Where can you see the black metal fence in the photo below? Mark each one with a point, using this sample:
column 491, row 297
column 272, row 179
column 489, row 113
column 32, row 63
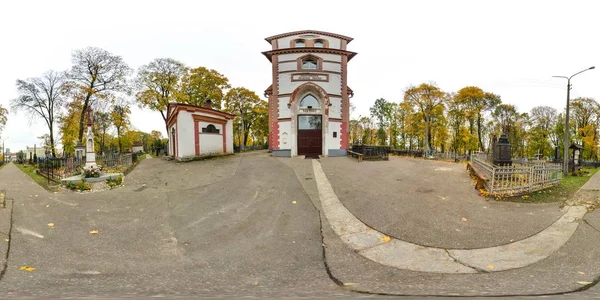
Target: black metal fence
column 404, row 152
column 372, row 152
column 55, row 169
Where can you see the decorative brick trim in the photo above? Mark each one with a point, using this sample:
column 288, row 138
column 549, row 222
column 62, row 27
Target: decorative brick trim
column 339, row 36
column 310, row 71
column 345, row 105
column 328, row 95
column 311, row 79
column 271, row 53
column 318, row 59
column 200, row 118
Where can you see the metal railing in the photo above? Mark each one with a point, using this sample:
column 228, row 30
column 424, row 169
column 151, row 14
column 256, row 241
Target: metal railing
column 372, row 152
column 55, row 169
column 518, row 178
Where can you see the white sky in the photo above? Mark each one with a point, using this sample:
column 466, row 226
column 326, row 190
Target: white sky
column 511, row 48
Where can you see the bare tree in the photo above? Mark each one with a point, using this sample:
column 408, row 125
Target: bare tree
column 41, row 98
column 96, row 75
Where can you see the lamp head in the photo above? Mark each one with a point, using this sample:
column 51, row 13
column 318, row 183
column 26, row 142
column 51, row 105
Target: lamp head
column 592, row 67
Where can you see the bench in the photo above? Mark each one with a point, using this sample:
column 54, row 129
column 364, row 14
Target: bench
column 480, row 176
column 358, row 155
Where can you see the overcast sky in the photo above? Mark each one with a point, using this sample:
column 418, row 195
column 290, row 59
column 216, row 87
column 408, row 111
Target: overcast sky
column 510, row 48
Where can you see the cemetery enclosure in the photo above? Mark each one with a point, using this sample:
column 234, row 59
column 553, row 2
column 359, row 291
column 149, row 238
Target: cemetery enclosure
column 517, row 178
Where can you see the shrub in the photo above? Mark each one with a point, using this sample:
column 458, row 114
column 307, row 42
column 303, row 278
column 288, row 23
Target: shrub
column 81, row 185
column 113, row 182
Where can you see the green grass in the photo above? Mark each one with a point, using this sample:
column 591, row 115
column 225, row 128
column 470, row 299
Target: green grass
column 565, row 190
column 41, row 180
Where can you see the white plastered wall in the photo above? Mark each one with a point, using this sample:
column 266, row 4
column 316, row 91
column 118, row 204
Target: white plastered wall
column 332, row 67
column 287, row 86
column 334, row 142
column 286, row 136
column 185, row 134
column 284, row 110
column 210, row 143
column 335, row 110
column 288, row 66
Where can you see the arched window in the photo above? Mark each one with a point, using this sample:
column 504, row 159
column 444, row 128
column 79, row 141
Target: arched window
column 210, row 129
column 300, row 43
column 309, row 101
column 309, row 63
column 319, row 44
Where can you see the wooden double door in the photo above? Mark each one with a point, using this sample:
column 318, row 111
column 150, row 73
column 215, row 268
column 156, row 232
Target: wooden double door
column 310, row 135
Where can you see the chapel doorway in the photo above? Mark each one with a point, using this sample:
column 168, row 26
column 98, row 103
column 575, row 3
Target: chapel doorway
column 310, row 135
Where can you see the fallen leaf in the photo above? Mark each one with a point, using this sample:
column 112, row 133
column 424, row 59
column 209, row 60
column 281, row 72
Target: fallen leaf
column 584, row 282
column 349, row 283
column 581, row 273
column 256, row 283
column 50, row 224
column 94, row 232
column 36, row 195
column 6, row 240
column 386, row 239
column 294, row 202
column 26, row 268
column 463, row 219
column 491, row 267
column 47, row 205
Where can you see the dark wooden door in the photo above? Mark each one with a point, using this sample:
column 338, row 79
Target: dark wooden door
column 310, row 135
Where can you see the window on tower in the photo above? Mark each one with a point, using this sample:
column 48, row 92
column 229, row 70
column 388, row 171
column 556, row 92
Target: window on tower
column 319, row 44
column 309, row 101
column 309, row 63
column 300, row 43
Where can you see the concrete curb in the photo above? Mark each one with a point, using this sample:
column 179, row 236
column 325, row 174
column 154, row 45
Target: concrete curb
column 5, row 228
column 392, row 252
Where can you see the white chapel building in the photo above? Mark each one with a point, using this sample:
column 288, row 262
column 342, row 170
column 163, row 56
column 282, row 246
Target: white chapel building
column 309, row 100
column 196, row 131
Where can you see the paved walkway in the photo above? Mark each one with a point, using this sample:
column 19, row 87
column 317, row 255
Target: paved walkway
column 394, row 252
column 255, row 225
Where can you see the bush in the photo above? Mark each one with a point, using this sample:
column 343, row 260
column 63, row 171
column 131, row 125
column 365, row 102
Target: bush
column 580, row 172
column 113, row 182
column 82, row 186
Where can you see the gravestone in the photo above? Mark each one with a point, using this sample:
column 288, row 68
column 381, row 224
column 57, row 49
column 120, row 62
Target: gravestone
column 502, row 151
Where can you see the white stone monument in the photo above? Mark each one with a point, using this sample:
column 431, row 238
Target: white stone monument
column 90, row 155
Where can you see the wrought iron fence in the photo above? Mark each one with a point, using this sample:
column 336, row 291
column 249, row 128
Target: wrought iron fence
column 55, row 169
column 404, row 152
column 518, row 178
column 372, row 152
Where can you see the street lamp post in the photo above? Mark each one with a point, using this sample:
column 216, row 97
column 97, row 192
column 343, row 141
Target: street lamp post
column 566, row 142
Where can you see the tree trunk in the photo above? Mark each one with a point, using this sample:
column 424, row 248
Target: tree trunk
column 243, row 145
column 479, row 132
column 426, row 136
column 52, row 141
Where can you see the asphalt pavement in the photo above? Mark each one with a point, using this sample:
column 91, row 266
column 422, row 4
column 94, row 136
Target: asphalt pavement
column 253, row 225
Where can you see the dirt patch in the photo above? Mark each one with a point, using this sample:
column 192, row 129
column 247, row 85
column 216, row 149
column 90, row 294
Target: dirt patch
column 589, row 199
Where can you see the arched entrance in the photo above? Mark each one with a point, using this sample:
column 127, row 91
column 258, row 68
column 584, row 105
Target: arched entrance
column 309, row 120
